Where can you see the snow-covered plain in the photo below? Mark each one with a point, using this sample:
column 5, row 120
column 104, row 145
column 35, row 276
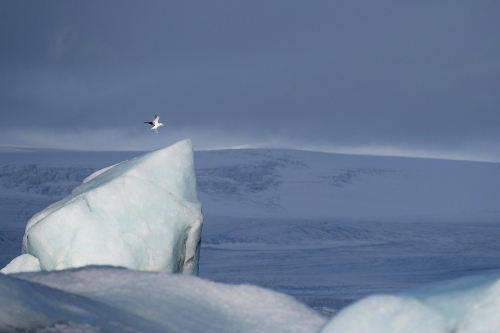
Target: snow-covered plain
column 327, row 229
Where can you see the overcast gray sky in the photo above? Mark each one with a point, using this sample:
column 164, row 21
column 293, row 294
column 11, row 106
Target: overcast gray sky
column 418, row 78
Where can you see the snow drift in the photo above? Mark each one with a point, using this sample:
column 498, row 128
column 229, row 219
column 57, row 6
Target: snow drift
column 141, row 214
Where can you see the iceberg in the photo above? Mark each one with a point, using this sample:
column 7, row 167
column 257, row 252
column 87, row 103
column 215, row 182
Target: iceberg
column 110, row 299
column 141, row 214
column 466, row 305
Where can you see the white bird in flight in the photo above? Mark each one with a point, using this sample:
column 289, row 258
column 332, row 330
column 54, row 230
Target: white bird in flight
column 154, row 123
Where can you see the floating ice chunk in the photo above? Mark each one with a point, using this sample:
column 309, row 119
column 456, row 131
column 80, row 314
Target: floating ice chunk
column 147, row 302
column 24, row 263
column 387, row 314
column 141, row 214
column 466, row 305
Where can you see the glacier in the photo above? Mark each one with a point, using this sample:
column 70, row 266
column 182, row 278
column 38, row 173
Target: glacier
column 140, row 214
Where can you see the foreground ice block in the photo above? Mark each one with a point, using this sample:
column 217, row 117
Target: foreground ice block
column 141, row 214
column 467, row 305
column 110, row 299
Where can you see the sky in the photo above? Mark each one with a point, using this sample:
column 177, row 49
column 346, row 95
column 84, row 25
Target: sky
column 408, row 78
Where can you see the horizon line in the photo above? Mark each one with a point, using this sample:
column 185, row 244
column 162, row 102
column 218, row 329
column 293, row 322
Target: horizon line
column 339, row 151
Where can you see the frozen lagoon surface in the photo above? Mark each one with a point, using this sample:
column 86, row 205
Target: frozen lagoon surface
column 327, row 229
column 330, row 229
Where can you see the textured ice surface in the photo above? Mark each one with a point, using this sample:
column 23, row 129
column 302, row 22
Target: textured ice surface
column 105, row 299
column 466, row 305
column 141, row 214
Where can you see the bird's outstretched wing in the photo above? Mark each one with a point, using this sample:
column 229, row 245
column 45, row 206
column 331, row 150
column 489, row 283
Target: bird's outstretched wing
column 157, row 118
column 154, row 122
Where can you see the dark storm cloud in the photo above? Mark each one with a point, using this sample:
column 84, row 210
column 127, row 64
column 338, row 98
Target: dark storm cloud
column 421, row 74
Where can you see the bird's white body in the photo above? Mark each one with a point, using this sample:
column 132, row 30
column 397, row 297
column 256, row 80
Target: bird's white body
column 155, row 123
